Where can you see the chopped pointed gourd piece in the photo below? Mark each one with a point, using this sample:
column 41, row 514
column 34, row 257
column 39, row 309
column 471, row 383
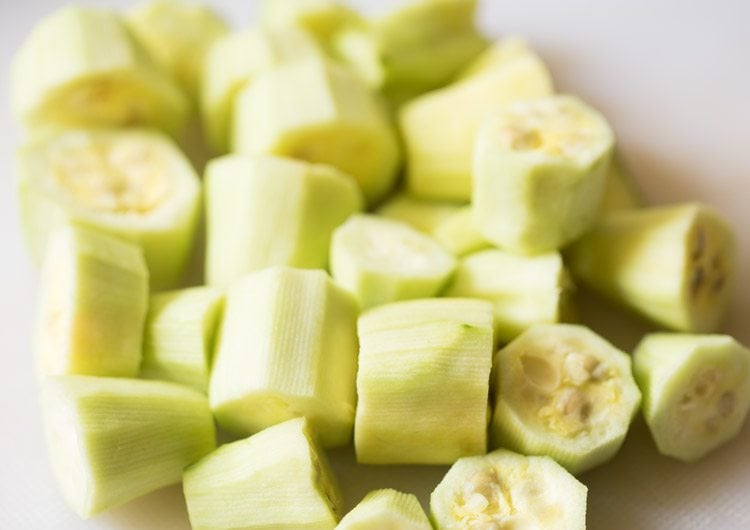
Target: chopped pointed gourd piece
column 263, row 211
column 423, row 215
column 382, row 261
column 93, row 304
column 563, row 391
column 423, row 381
column 539, row 173
column 80, row 66
column 505, row 490
column 386, row 509
column 674, row 265
column 134, row 184
column 458, row 233
column 277, row 478
column 179, row 335
column 696, row 391
column 287, row 348
column 523, row 290
column 337, row 122
column 323, row 19
column 177, row 35
column 439, row 140
column 620, row 191
column 114, row 439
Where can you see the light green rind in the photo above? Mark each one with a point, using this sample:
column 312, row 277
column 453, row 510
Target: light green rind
column 287, row 348
column 263, row 211
column 696, row 391
column 92, row 306
column 112, row 440
column 179, row 335
column 275, row 479
column 386, row 509
column 458, row 233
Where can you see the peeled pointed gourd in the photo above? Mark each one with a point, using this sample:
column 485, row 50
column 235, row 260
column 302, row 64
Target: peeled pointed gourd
column 386, row 509
column 323, row 19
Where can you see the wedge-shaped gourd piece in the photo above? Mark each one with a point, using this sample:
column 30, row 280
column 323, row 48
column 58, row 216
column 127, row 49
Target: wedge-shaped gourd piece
column 335, row 120
column 81, row 67
column 540, row 169
column 523, row 290
column 505, row 490
column 386, row 509
column 177, row 35
column 233, row 62
column 382, row 261
column 672, row 264
column 134, row 184
column 287, row 348
column 93, row 304
column 423, row 381
column 620, row 190
column 418, row 47
column 421, row 214
column 440, row 139
column 264, row 211
column 563, row 391
column 277, row 478
column 113, row 439
column 179, row 335
column 323, row 19
column 696, row 391
column 458, row 233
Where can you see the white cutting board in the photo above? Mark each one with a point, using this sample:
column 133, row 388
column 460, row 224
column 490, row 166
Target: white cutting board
column 674, row 79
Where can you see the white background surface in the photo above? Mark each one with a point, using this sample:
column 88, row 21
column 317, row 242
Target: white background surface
column 674, row 79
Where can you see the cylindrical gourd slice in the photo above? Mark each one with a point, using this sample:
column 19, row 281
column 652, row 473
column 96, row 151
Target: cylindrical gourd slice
column 674, row 265
column 539, row 173
column 323, row 19
column 440, row 127
column 421, row 214
column 111, row 440
column 93, row 301
column 179, row 335
column 386, row 509
column 287, row 348
column 620, row 191
column 458, row 233
column 696, row 391
column 134, row 184
column 504, row 490
column 177, row 35
column 335, row 120
column 562, row 391
column 278, row 478
column 263, row 211
column 524, row 290
column 80, row 66
column 382, row 261
column 423, row 381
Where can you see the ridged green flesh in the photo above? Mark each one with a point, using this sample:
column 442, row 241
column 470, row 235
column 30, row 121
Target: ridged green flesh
column 386, row 509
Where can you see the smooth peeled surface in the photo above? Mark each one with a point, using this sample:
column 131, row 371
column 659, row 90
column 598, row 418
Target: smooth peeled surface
column 386, row 509
column 523, row 290
column 233, row 62
column 674, row 265
column 323, row 19
column 458, row 233
column 440, row 139
column 336, row 120
column 539, row 175
column 93, row 301
column 111, row 440
column 507, row 491
column 177, row 35
column 134, row 184
column 423, row 215
column 179, row 335
column 562, row 391
column 382, row 261
column 287, row 348
column 275, row 479
column 620, row 191
column 263, row 211
column 423, row 381
column 696, row 391
column 80, row 67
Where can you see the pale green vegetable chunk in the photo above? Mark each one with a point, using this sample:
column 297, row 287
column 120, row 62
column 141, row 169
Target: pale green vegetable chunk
column 458, row 233
column 323, row 19
column 92, row 306
column 179, row 335
column 620, row 191
column 423, row 381
column 421, row 214
column 386, row 509
column 696, row 391
column 275, row 479
column 287, row 348
column 111, row 440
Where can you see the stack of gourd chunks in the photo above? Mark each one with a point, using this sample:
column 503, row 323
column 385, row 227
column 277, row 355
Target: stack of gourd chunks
column 442, row 310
